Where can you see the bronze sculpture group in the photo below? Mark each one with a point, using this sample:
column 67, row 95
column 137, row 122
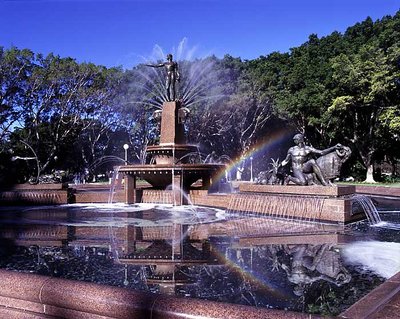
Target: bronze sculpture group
column 305, row 169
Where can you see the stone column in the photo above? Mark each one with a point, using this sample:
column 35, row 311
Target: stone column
column 178, row 199
column 172, row 131
column 130, row 189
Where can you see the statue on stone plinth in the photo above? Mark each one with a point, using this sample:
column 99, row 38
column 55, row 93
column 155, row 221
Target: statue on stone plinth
column 305, row 169
column 172, row 76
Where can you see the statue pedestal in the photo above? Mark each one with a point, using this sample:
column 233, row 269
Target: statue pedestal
column 315, row 190
column 171, row 166
column 172, row 130
column 321, row 203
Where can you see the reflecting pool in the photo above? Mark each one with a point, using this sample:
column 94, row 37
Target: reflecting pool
column 206, row 253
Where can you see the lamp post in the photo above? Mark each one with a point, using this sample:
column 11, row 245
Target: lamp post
column 126, row 146
column 251, row 168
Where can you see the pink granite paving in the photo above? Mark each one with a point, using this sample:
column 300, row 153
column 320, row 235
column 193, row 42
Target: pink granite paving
column 32, row 296
column 382, row 302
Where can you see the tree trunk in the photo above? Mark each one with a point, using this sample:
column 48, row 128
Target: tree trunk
column 370, row 178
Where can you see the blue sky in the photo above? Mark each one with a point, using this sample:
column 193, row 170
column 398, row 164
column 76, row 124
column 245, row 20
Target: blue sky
column 122, row 32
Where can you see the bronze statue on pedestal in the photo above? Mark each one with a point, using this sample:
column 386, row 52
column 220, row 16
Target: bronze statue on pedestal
column 172, row 76
column 305, row 169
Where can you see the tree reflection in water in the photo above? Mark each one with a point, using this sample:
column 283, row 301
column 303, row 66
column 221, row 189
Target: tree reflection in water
column 226, row 260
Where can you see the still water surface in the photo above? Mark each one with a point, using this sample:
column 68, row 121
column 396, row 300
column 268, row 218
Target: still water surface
column 205, row 253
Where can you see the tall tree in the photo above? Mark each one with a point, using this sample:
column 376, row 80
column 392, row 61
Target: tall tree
column 211, row 123
column 15, row 69
column 367, row 96
column 61, row 100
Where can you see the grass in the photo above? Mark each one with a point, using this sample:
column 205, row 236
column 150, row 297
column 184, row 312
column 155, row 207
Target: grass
column 397, row 184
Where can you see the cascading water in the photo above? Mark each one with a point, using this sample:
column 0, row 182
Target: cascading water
column 114, row 181
column 157, row 196
column 306, row 208
column 112, row 236
column 369, row 208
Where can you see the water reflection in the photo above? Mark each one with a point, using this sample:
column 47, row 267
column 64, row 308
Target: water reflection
column 201, row 253
column 309, row 263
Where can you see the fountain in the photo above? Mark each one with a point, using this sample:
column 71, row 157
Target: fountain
column 171, row 165
column 267, row 263
column 169, row 161
column 307, row 193
column 268, row 249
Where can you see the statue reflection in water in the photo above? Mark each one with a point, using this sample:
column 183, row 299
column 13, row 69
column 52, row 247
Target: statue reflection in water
column 308, row 264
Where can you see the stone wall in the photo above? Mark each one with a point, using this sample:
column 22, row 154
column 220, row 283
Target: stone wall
column 310, row 203
column 33, row 296
column 34, row 197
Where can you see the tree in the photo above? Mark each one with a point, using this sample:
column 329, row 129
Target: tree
column 367, row 99
column 302, row 92
column 104, row 119
column 250, row 108
column 15, row 69
column 211, row 123
column 63, row 98
column 137, row 99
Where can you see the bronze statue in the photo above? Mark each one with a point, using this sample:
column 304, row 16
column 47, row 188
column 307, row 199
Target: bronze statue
column 271, row 177
column 302, row 163
column 172, row 76
column 331, row 163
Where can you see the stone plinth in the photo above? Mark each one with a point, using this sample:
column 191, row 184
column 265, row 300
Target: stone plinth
column 332, row 191
column 378, row 190
column 40, row 194
column 382, row 302
column 312, row 203
column 34, row 197
column 202, row 198
column 37, row 187
column 98, row 196
column 172, row 131
column 160, row 176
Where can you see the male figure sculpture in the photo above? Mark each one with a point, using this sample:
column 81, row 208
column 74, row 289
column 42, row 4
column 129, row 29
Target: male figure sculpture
column 302, row 164
column 172, row 76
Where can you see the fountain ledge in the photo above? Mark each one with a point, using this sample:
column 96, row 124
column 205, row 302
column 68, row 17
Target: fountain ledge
column 331, row 191
column 34, row 296
column 319, row 203
column 40, row 194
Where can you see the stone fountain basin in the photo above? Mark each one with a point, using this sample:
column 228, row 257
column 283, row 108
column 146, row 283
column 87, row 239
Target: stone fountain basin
column 171, row 153
column 161, row 175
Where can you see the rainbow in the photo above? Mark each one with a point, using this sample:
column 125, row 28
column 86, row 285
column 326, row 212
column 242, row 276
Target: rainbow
column 258, row 281
column 263, row 146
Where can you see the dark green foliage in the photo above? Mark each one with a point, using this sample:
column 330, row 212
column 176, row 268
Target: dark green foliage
column 339, row 88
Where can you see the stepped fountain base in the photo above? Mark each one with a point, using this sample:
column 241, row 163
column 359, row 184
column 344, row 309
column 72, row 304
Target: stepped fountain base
column 160, row 176
column 312, row 203
column 174, row 164
column 315, row 190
